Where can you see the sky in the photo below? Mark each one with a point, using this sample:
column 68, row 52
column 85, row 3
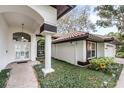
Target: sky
column 102, row 31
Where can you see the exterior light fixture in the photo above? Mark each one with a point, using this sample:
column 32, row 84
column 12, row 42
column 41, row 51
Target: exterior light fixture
column 22, row 37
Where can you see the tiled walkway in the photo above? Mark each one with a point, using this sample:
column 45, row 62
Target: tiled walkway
column 120, row 83
column 22, row 76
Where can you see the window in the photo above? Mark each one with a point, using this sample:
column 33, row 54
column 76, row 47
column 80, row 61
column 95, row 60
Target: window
column 91, row 49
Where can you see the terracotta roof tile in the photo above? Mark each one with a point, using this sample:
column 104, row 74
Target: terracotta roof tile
column 72, row 35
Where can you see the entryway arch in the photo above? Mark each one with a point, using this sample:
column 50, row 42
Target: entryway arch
column 22, row 46
column 19, row 35
column 37, row 19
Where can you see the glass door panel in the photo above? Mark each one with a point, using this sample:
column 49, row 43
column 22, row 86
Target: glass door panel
column 22, row 50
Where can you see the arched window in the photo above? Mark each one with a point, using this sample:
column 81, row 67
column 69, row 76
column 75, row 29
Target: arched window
column 21, row 36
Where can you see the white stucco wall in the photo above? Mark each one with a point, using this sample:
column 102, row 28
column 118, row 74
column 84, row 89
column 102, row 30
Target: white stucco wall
column 23, row 9
column 64, row 51
column 76, row 51
column 109, row 50
column 100, row 49
column 47, row 12
column 3, row 43
column 106, row 50
column 81, row 50
column 7, row 43
column 33, row 47
column 11, row 47
column 70, row 51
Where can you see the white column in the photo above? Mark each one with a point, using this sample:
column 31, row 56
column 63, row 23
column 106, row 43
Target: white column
column 47, row 68
column 33, row 47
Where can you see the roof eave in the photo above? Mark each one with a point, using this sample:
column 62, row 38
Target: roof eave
column 72, row 39
column 66, row 9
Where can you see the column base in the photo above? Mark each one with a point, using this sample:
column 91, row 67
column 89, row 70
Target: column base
column 47, row 71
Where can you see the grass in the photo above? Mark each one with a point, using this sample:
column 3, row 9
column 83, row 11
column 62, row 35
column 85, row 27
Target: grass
column 70, row 76
column 4, row 75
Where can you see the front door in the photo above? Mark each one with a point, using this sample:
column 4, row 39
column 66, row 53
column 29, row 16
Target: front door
column 22, row 51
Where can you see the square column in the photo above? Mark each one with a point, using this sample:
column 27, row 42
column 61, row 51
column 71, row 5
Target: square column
column 48, row 30
column 47, row 68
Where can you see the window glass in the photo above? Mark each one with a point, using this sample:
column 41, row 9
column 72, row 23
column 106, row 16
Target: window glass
column 91, row 49
column 93, row 45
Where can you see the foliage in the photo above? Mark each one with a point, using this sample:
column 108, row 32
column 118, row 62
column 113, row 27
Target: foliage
column 120, row 48
column 4, row 75
column 105, row 64
column 117, row 36
column 76, row 20
column 70, row 76
column 115, row 69
column 111, row 15
column 41, row 42
column 120, row 54
column 101, row 63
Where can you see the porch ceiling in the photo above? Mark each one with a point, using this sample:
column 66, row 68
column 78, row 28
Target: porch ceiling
column 16, row 19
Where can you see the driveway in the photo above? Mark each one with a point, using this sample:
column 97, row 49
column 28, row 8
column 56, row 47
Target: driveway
column 119, row 60
column 22, row 76
column 120, row 83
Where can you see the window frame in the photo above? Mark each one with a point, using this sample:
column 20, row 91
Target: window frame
column 91, row 49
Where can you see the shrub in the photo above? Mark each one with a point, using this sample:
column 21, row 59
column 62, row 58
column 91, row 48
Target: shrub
column 115, row 68
column 120, row 54
column 4, row 75
column 104, row 64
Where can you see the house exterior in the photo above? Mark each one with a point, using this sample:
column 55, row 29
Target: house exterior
column 78, row 47
column 20, row 28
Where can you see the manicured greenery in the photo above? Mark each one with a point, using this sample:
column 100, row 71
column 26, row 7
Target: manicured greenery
column 4, row 75
column 70, row 76
column 106, row 65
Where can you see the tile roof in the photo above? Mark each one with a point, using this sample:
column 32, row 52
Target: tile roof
column 78, row 35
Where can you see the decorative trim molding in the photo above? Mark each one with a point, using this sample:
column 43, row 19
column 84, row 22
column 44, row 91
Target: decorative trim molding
column 48, row 27
column 38, row 35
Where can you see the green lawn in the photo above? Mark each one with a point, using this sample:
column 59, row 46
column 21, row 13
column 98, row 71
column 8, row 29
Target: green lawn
column 4, row 75
column 70, row 76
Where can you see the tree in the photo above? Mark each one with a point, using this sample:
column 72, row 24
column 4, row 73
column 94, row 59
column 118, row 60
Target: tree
column 120, row 38
column 76, row 20
column 111, row 15
column 117, row 36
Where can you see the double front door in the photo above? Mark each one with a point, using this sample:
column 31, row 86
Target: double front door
column 22, row 51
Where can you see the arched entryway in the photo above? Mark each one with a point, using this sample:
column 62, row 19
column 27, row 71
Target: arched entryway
column 37, row 19
column 22, row 45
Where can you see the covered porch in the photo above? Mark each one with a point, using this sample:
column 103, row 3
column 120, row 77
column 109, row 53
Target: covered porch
column 18, row 32
column 20, row 26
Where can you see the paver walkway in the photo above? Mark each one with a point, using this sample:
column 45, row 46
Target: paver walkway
column 120, row 83
column 22, row 76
